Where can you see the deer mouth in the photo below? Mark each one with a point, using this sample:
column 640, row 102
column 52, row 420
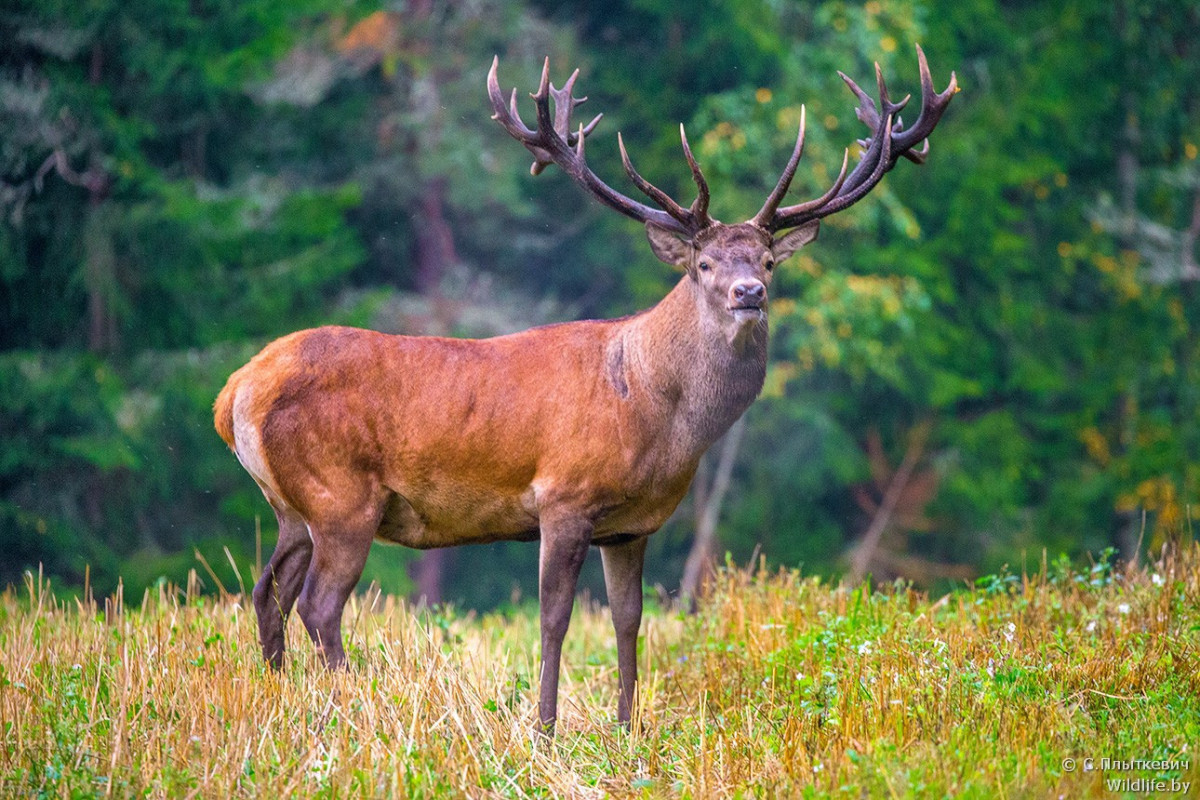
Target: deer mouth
column 747, row 309
column 747, row 316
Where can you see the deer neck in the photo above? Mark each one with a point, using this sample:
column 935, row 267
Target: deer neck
column 692, row 366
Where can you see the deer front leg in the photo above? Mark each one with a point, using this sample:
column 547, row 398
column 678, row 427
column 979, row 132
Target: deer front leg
column 565, row 540
column 623, row 580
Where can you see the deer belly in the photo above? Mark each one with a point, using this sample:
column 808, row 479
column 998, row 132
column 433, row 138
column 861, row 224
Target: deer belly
column 455, row 515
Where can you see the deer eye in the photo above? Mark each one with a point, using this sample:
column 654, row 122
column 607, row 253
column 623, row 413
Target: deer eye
column 770, row 265
column 705, row 266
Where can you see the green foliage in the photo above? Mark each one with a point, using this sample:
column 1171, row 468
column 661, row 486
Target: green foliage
column 266, row 252
column 93, row 464
column 979, row 290
column 180, row 183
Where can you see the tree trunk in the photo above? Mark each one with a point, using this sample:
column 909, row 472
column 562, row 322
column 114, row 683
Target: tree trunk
column 99, row 264
column 99, row 255
column 435, row 240
column 1131, row 134
column 864, row 554
column 1128, row 530
column 429, row 576
column 709, row 498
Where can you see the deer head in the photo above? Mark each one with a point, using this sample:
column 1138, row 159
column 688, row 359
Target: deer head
column 731, row 264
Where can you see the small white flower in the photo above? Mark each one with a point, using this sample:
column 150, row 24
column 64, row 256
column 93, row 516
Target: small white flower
column 1123, row 608
column 1009, row 631
column 864, row 649
column 1091, row 626
column 1157, row 579
column 817, row 767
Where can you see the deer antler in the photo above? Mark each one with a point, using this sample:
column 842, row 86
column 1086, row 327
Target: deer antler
column 553, row 142
column 889, row 140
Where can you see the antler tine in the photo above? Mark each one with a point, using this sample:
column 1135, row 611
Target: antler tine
column 933, row 105
column 783, row 218
column 591, row 126
column 564, row 94
column 649, row 189
column 700, row 204
column 856, row 193
column 553, row 142
column 512, row 108
column 884, row 100
column 580, row 138
column 544, row 82
column 553, row 125
column 918, row 156
column 509, row 117
column 564, row 104
column 866, row 111
column 541, row 104
column 764, row 215
column 833, row 200
column 568, row 86
column 557, row 121
column 506, row 115
column 889, row 139
column 869, row 115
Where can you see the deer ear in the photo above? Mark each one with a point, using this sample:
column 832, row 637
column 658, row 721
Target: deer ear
column 669, row 248
column 792, row 241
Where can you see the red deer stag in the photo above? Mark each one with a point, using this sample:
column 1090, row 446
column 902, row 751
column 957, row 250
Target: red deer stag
column 580, row 434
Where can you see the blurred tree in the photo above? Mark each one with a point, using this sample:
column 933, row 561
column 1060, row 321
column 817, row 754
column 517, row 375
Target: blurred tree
column 136, row 224
column 960, row 296
column 181, row 183
column 709, row 488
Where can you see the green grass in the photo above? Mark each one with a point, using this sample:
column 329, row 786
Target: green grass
column 780, row 686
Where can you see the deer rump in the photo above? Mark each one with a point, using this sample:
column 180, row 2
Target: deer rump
column 452, row 441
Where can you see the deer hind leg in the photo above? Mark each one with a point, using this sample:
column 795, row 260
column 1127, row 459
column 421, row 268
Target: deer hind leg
column 623, row 581
column 277, row 588
column 564, row 547
column 339, row 554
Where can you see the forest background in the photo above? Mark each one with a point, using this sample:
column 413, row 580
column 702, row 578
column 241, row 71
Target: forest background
column 992, row 356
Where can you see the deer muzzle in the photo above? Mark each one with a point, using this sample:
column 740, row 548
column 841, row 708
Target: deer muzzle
column 747, row 295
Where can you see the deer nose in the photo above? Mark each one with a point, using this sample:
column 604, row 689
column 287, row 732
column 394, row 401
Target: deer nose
column 748, row 294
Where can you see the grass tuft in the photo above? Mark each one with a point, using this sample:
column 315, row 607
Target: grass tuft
column 781, row 686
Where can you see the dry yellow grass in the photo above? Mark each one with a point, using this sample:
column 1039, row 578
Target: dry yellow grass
column 780, row 686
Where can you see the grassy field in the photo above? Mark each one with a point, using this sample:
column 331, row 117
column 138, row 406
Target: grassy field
column 780, row 686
